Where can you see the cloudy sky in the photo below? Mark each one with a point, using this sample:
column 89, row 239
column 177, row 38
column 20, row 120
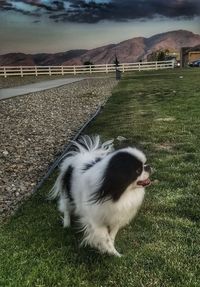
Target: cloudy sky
column 34, row 26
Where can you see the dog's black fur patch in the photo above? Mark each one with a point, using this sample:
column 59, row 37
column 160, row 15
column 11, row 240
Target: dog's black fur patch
column 91, row 164
column 123, row 169
column 67, row 179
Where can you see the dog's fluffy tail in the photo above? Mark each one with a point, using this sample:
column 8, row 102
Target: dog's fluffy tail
column 84, row 145
column 92, row 143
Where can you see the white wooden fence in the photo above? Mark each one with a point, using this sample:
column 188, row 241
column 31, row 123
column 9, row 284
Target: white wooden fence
column 6, row 71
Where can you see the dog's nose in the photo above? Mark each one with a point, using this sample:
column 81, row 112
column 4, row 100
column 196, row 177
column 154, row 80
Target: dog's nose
column 147, row 168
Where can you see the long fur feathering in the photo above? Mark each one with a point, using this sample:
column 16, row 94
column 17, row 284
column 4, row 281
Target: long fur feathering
column 84, row 145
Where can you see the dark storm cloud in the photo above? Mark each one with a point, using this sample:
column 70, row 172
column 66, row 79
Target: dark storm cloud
column 46, row 5
column 29, row 7
column 4, row 4
column 82, row 11
column 7, row 6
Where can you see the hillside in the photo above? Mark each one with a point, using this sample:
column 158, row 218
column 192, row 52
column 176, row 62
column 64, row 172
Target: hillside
column 21, row 59
column 127, row 51
column 138, row 48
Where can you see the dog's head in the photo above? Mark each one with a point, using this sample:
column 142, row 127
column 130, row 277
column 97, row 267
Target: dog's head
column 125, row 168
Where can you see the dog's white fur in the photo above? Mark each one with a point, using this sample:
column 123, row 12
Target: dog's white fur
column 100, row 221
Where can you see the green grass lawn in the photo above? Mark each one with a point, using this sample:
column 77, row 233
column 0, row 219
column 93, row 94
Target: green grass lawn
column 160, row 113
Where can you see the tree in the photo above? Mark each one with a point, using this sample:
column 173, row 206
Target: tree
column 161, row 56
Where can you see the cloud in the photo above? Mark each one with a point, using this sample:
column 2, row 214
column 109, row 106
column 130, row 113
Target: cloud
column 86, row 11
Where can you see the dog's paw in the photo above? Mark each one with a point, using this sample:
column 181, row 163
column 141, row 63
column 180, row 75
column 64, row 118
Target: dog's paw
column 65, row 222
column 117, row 254
column 114, row 252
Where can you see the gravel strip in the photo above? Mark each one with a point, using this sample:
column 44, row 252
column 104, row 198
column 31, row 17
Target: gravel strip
column 34, row 130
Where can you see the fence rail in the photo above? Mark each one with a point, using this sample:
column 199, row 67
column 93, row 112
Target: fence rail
column 6, row 71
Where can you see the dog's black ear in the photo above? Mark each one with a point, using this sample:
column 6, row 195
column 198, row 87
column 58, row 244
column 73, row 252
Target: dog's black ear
column 121, row 171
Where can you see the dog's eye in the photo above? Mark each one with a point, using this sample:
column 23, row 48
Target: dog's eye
column 138, row 171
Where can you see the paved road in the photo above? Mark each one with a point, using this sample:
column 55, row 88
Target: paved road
column 36, row 87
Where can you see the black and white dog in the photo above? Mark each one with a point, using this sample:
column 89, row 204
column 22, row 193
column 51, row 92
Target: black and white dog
column 103, row 187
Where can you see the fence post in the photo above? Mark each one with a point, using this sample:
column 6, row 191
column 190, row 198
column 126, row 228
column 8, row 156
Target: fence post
column 21, row 71
column 106, row 68
column 4, row 70
column 90, row 69
column 123, row 68
column 139, row 66
column 62, row 71
column 36, row 73
column 156, row 65
column 74, row 70
column 49, row 71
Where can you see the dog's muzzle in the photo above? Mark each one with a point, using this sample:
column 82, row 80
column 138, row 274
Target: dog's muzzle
column 147, row 181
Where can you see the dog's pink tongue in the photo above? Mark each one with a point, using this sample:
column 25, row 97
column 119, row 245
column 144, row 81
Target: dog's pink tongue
column 144, row 182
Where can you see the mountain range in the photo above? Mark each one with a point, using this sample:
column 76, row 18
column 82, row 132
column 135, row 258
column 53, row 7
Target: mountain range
column 131, row 50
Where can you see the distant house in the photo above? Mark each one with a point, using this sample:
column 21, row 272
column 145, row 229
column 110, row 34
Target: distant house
column 189, row 54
